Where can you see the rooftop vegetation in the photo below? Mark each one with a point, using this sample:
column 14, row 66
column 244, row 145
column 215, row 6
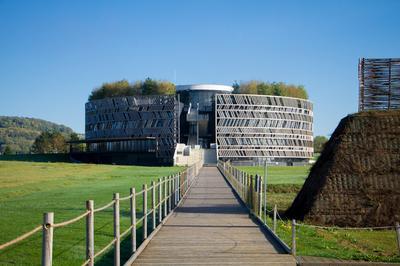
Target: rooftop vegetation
column 125, row 88
column 268, row 88
column 159, row 87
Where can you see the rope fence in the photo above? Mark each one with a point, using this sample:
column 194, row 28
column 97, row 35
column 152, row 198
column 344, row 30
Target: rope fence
column 164, row 195
column 253, row 192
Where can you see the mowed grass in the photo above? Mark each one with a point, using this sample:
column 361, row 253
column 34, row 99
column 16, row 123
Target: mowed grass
column 366, row 245
column 27, row 190
column 280, row 174
column 284, row 182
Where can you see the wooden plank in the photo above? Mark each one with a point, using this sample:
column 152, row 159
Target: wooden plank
column 211, row 227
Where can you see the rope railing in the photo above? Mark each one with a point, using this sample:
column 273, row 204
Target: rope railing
column 347, row 228
column 21, row 237
column 251, row 191
column 164, row 196
column 73, row 220
column 126, row 198
column 108, row 205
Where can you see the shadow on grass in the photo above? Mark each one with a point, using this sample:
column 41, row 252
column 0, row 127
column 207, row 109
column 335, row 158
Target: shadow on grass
column 40, row 158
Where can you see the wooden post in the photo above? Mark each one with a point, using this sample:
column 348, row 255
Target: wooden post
column 159, row 200
column 251, row 193
column 176, row 189
column 169, row 194
column 133, row 219
column 153, row 203
column 294, row 237
column 179, row 187
column 275, row 212
column 257, row 194
column 47, row 244
column 260, row 194
column 144, row 211
column 173, row 191
column 245, row 189
column 90, row 232
column 165, row 196
column 187, row 181
column 398, row 235
column 117, row 251
column 265, row 189
column 243, row 185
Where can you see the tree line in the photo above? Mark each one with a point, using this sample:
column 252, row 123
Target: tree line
column 17, row 134
column 47, row 142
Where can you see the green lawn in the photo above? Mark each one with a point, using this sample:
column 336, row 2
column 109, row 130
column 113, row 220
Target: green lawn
column 27, row 190
column 284, row 182
column 280, row 174
column 368, row 245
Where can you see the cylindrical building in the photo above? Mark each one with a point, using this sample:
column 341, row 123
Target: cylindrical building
column 146, row 129
column 259, row 127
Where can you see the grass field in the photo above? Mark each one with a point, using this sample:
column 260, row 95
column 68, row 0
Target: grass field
column 280, row 174
column 284, row 182
column 27, row 190
column 368, row 245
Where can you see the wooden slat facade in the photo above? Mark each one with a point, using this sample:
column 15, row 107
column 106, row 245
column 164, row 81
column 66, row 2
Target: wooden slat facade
column 379, row 87
column 261, row 126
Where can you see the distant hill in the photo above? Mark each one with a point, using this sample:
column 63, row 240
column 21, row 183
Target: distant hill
column 19, row 133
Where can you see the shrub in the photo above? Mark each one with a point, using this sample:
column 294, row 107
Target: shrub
column 124, row 88
column 267, row 88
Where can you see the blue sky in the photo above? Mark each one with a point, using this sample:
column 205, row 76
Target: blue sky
column 53, row 53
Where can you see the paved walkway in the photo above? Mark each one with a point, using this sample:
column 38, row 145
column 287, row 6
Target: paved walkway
column 212, row 228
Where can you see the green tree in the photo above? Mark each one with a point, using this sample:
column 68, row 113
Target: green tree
column 49, row 142
column 319, row 143
column 74, row 137
column 8, row 151
column 249, row 87
column 76, row 146
column 277, row 88
column 149, row 87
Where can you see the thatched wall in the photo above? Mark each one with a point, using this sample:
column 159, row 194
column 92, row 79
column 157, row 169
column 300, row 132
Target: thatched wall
column 356, row 180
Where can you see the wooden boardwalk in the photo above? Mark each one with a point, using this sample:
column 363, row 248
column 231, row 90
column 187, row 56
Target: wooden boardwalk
column 211, row 227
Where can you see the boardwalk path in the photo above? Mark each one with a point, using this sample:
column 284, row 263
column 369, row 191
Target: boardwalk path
column 212, row 228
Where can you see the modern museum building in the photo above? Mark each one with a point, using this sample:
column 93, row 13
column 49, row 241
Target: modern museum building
column 239, row 127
